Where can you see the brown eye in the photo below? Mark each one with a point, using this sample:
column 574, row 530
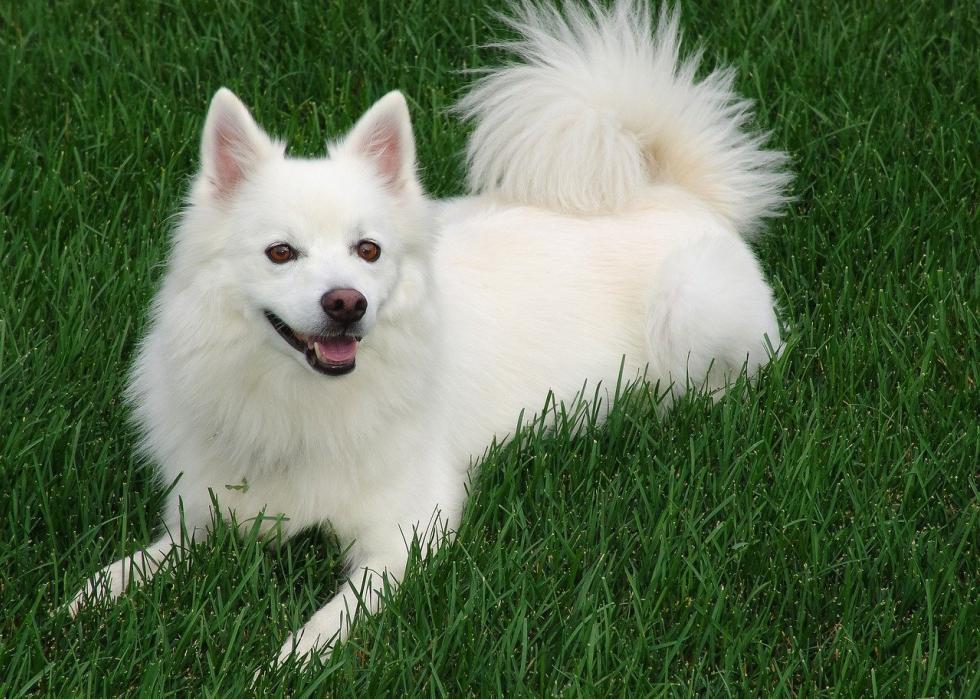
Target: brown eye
column 368, row 251
column 280, row 253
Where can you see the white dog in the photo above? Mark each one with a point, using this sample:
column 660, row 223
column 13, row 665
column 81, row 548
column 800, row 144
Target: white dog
column 331, row 348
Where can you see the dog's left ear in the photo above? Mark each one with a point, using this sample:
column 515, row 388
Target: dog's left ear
column 384, row 137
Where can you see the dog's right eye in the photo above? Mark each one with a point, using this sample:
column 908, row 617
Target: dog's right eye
column 280, row 253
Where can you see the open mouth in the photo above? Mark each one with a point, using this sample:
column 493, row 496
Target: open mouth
column 328, row 354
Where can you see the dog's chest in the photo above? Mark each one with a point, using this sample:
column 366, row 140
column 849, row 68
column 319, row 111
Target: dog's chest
column 299, row 488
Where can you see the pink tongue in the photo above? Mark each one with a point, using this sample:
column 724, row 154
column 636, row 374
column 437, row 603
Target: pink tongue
column 337, row 350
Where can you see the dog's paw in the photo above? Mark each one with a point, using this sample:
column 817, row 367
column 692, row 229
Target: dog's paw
column 106, row 585
column 299, row 649
column 306, row 643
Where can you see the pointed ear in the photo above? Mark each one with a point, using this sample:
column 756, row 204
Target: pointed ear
column 232, row 145
column 384, row 137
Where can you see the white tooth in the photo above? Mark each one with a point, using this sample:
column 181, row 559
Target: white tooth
column 316, row 347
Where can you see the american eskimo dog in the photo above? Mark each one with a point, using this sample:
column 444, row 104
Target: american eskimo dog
column 345, row 346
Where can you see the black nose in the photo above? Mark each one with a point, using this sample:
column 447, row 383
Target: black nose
column 344, row 305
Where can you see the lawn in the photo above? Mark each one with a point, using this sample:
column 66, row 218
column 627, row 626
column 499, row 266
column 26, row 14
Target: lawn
column 817, row 534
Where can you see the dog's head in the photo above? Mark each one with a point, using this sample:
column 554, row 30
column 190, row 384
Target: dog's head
column 317, row 252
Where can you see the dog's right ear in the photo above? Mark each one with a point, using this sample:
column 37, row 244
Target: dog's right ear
column 232, row 146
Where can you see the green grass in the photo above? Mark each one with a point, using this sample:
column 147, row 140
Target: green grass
column 818, row 536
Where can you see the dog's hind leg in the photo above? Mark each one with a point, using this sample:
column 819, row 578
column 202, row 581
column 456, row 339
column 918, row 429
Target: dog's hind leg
column 710, row 317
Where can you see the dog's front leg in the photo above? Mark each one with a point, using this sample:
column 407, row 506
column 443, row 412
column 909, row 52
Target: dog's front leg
column 140, row 567
column 111, row 581
column 378, row 560
column 360, row 595
column 422, row 506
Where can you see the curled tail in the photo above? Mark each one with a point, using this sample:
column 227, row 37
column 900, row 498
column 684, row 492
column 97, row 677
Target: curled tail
column 598, row 107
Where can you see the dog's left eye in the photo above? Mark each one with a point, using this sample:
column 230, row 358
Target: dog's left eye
column 368, row 250
column 280, row 253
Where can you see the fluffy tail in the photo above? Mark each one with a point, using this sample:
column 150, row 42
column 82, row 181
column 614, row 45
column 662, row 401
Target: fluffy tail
column 598, row 107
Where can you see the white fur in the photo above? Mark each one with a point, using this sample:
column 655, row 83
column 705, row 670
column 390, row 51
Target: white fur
column 598, row 108
column 477, row 307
